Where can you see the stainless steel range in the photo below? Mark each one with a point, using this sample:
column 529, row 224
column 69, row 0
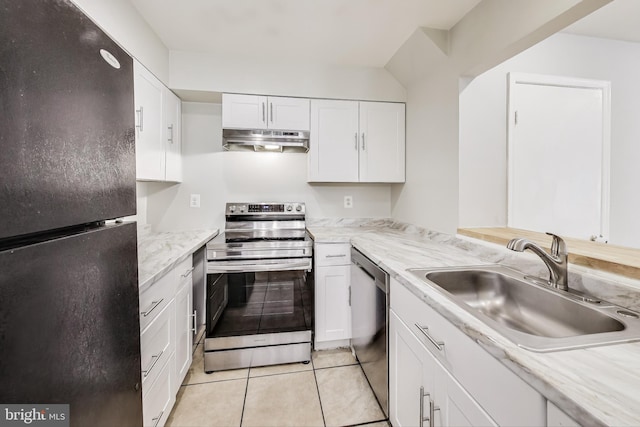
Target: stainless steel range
column 259, row 288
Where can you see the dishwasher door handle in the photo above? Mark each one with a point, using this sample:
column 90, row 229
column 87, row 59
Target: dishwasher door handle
column 365, row 270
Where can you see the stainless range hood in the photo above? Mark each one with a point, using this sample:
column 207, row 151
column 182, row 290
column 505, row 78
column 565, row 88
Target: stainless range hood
column 265, row 140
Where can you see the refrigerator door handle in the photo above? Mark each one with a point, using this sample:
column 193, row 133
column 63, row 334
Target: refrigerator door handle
column 154, row 304
column 195, row 317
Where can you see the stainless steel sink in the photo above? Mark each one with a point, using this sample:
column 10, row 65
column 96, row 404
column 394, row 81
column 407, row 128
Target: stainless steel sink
column 533, row 315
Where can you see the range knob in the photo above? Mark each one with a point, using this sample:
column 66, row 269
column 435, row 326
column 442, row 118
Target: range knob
column 298, row 208
column 243, row 208
column 289, row 208
column 232, row 208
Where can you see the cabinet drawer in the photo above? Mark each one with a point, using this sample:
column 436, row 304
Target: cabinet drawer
column 158, row 402
column 478, row 372
column 156, row 345
column 332, row 254
column 155, row 298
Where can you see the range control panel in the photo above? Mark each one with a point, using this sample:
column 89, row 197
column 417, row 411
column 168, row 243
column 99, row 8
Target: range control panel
column 265, row 208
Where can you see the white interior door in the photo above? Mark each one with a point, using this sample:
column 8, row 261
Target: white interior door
column 559, row 155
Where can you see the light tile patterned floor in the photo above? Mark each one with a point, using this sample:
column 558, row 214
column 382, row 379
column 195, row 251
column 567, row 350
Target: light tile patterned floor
column 330, row 391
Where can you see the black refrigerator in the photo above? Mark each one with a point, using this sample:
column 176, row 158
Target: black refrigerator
column 69, row 319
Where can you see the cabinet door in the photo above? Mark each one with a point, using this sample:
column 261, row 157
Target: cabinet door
column 408, row 377
column 288, row 113
column 456, row 407
column 333, row 151
column 332, row 311
column 382, row 142
column 148, row 94
column 173, row 136
column 184, row 309
column 244, row 111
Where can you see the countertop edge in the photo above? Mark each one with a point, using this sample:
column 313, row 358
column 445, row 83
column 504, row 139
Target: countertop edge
column 173, row 261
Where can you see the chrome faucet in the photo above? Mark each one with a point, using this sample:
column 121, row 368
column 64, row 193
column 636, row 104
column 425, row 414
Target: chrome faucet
column 556, row 262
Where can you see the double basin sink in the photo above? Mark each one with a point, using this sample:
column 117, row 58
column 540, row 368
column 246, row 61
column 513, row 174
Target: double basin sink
column 533, row 315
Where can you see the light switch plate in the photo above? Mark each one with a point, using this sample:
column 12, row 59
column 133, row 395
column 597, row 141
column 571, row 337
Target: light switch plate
column 194, row 201
column 348, row 202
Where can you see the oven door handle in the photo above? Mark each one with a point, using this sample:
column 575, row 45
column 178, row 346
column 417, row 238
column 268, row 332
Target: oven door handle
column 257, row 266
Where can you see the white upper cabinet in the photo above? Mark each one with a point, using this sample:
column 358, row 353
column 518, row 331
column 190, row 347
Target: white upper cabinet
column 288, row 113
column 355, row 141
column 333, row 151
column 173, row 136
column 244, row 111
column 262, row 112
column 158, row 128
column 382, row 142
column 150, row 155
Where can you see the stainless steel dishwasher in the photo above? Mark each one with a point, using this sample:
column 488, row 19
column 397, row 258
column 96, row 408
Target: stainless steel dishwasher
column 369, row 298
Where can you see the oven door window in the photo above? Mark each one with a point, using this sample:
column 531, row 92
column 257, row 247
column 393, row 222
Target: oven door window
column 264, row 303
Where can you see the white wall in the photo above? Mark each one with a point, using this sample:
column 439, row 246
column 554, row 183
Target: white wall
column 124, row 24
column 483, row 128
column 202, row 72
column 220, row 177
column 430, row 196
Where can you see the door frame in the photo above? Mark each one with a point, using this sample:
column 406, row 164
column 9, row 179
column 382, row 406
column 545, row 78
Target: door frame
column 515, row 78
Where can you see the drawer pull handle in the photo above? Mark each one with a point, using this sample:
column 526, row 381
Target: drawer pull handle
column 154, row 359
column 154, row 304
column 438, row 344
column 157, row 419
column 188, row 272
column 336, row 256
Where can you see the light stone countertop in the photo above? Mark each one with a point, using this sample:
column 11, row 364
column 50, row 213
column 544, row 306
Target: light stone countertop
column 595, row 386
column 159, row 252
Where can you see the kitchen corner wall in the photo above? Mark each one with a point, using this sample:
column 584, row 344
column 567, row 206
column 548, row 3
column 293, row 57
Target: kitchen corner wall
column 220, row 176
column 492, row 32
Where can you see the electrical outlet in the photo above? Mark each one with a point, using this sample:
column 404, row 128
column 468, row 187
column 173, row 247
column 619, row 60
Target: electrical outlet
column 194, row 201
column 348, row 202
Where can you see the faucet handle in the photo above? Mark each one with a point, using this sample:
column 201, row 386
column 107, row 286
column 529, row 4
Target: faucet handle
column 558, row 246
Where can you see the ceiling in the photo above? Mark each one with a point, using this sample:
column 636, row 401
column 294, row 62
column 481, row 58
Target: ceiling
column 618, row 20
column 337, row 32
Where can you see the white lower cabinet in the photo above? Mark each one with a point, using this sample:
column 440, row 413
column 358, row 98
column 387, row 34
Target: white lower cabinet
column 184, row 331
column 157, row 345
column 166, row 323
column 158, row 402
column 463, row 383
column 332, row 308
column 557, row 418
column 423, row 393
